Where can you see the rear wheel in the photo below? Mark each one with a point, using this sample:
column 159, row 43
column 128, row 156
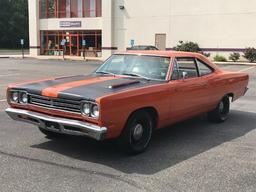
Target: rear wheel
column 50, row 134
column 220, row 113
column 137, row 133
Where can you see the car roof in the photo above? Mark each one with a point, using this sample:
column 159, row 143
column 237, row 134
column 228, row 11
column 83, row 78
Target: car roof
column 161, row 53
column 170, row 54
column 143, row 46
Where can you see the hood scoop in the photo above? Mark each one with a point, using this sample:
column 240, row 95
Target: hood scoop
column 130, row 82
column 68, row 77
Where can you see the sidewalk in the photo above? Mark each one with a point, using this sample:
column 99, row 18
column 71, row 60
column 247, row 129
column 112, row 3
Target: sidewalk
column 4, row 52
column 45, row 57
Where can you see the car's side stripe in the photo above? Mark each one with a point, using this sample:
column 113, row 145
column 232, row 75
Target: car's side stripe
column 54, row 90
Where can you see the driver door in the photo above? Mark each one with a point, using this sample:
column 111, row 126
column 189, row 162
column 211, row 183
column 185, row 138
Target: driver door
column 187, row 89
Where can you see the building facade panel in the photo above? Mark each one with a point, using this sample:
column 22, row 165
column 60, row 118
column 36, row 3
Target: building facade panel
column 215, row 25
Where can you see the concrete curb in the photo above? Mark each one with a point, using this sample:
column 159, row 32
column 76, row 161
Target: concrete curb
column 68, row 58
column 13, row 56
column 235, row 63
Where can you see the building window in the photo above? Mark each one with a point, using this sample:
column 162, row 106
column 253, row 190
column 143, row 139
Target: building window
column 70, row 8
column 98, row 8
column 73, row 8
column 43, row 7
column 61, row 8
column 51, row 43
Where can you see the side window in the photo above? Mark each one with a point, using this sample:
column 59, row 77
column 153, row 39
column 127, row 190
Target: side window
column 175, row 72
column 187, row 65
column 204, row 69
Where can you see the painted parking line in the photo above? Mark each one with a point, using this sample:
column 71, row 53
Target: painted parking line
column 9, row 75
column 247, row 69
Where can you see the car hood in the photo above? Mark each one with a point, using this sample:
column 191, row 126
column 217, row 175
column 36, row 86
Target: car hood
column 85, row 87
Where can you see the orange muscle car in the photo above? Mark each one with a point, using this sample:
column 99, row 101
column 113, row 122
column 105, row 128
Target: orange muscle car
column 128, row 97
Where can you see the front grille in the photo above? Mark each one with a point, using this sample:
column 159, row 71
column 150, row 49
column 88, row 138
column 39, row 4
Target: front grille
column 55, row 103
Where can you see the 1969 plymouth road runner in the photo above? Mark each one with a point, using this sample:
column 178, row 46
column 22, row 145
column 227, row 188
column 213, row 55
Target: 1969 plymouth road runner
column 128, row 97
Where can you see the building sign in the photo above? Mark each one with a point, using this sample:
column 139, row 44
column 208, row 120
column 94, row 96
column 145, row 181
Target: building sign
column 70, row 24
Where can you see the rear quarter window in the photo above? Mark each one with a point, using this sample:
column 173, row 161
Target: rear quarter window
column 204, row 69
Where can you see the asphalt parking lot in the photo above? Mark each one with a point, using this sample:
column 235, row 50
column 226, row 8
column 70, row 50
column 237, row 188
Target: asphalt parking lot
column 194, row 155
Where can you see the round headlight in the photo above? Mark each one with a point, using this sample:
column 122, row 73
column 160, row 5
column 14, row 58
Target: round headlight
column 86, row 108
column 15, row 97
column 24, row 97
column 95, row 111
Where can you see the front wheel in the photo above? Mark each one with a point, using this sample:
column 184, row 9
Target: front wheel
column 220, row 113
column 137, row 133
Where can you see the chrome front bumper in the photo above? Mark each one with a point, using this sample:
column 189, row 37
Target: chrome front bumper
column 59, row 125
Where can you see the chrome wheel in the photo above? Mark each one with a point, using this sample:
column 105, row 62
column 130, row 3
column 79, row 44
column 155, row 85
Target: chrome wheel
column 137, row 132
column 221, row 107
column 220, row 113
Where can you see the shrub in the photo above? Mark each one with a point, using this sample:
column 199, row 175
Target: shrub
column 187, row 46
column 234, row 56
column 206, row 54
column 190, row 47
column 250, row 54
column 220, row 58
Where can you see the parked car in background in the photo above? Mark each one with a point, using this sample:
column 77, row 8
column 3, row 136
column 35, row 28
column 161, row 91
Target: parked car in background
column 143, row 47
column 128, row 97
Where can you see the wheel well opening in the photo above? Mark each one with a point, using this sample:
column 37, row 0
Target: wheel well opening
column 231, row 95
column 153, row 113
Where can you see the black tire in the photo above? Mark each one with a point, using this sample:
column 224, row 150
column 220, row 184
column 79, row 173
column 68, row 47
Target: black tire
column 50, row 134
column 220, row 113
column 137, row 133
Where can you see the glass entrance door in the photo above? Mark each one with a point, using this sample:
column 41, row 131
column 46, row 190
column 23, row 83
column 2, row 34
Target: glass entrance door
column 72, row 44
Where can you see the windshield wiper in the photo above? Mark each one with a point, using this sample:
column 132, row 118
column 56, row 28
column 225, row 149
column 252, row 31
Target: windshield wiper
column 136, row 75
column 105, row 72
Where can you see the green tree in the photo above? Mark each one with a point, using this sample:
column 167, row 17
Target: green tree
column 13, row 23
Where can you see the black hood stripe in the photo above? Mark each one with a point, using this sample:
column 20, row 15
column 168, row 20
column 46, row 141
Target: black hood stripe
column 37, row 88
column 100, row 89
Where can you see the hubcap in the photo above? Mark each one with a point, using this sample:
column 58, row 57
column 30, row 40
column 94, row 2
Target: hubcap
column 137, row 132
column 221, row 107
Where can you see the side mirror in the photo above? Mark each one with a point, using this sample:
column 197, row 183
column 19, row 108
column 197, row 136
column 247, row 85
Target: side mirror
column 184, row 75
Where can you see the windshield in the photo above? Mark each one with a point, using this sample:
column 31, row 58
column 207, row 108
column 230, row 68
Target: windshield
column 149, row 67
